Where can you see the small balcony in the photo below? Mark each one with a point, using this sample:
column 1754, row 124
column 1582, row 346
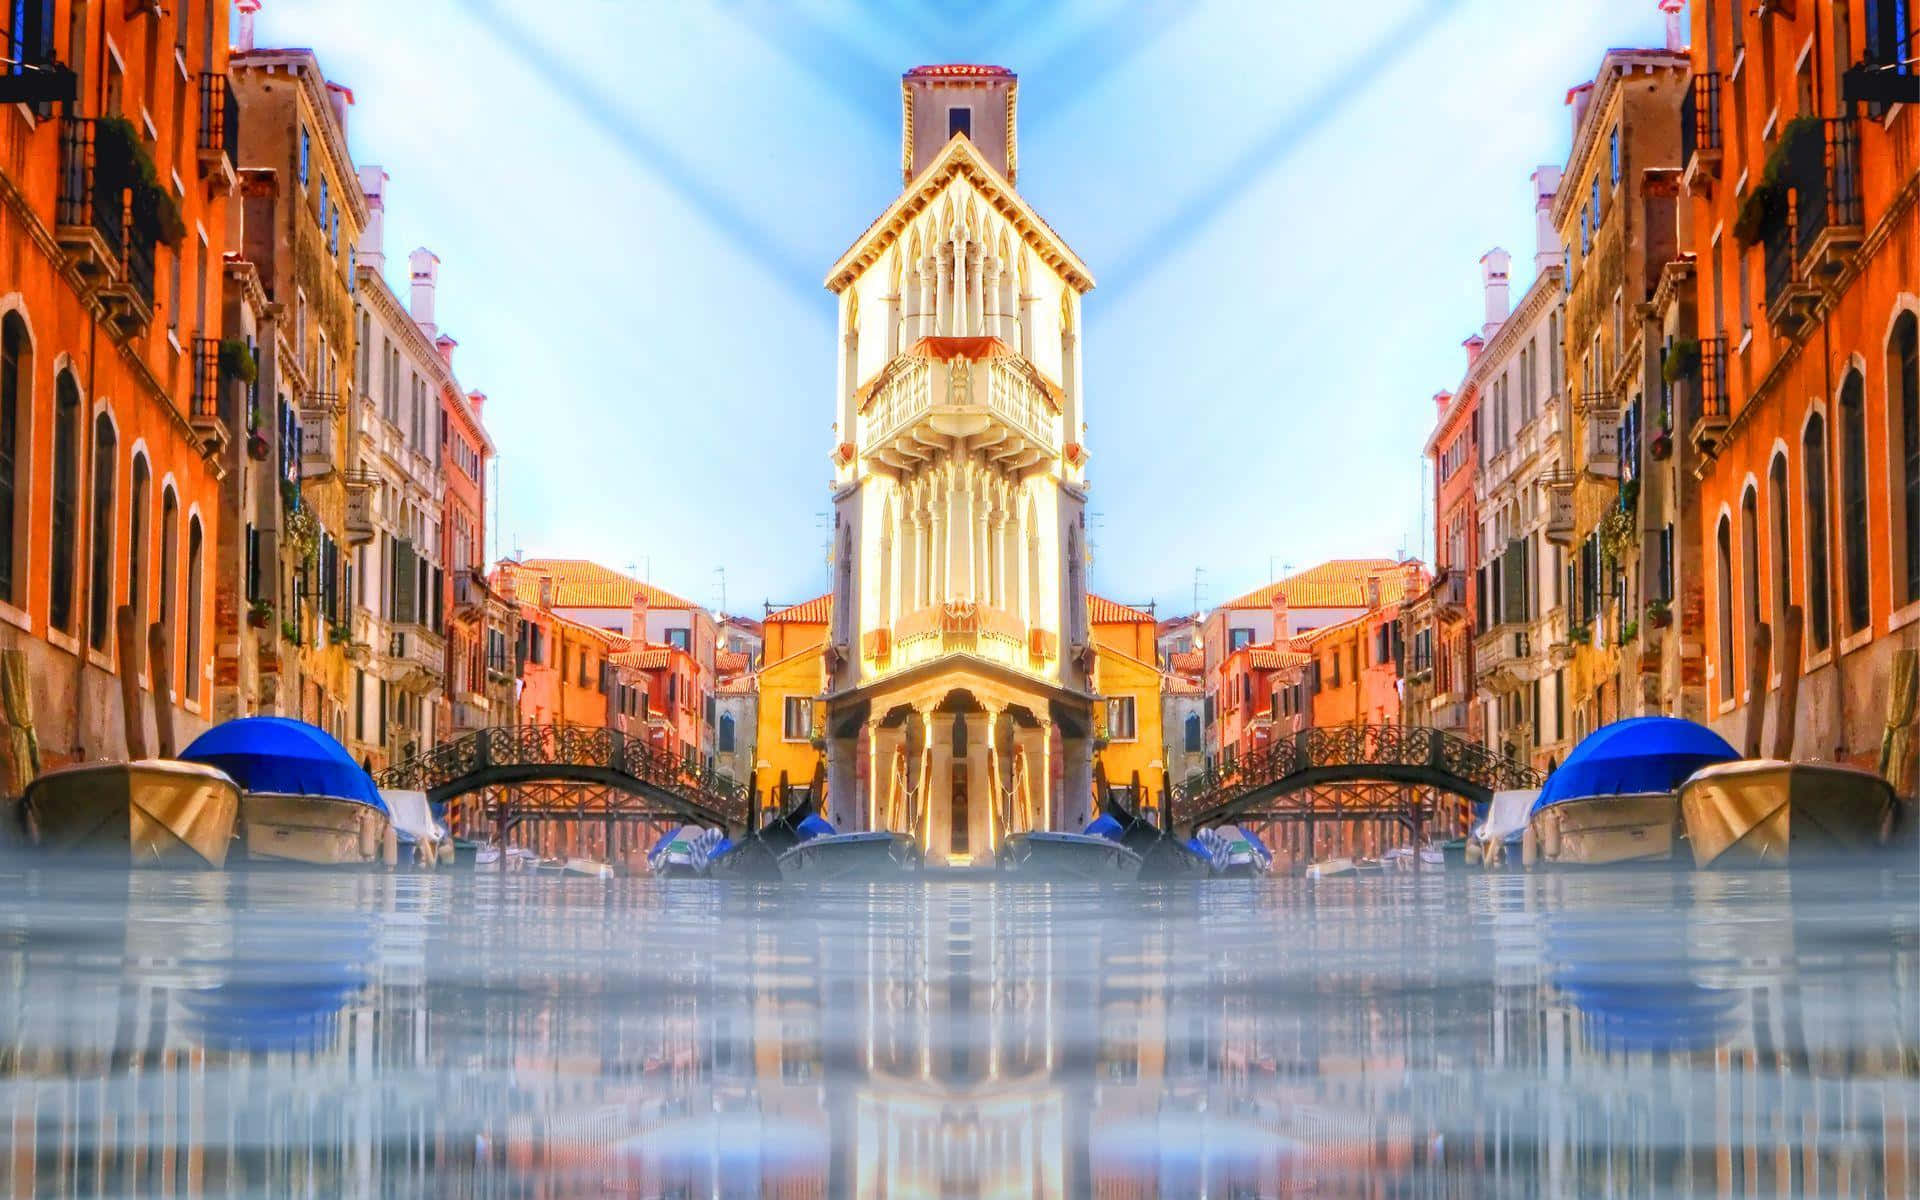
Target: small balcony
column 1450, row 593
column 1600, row 449
column 91, row 215
column 1708, row 422
column 923, row 405
column 317, row 459
column 219, row 143
column 1501, row 656
column 1824, row 164
column 470, row 594
column 362, row 485
column 945, row 629
column 420, row 655
column 1559, row 528
column 1700, row 145
column 203, row 409
column 1587, row 403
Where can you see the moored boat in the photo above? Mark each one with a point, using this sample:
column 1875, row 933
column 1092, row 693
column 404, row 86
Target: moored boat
column 591, row 868
column 1769, row 812
column 878, row 855
column 154, row 812
column 319, row 831
column 685, row 852
column 1614, row 800
column 1067, row 856
column 1332, row 868
column 304, row 799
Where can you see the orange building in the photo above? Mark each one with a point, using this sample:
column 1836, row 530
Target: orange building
column 792, row 679
column 113, row 404
column 476, row 625
column 1454, row 451
column 1803, row 388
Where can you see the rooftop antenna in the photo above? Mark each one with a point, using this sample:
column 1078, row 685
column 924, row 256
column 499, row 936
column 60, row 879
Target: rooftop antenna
column 722, row 573
column 1197, row 573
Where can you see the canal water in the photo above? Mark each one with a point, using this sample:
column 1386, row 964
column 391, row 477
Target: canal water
column 1467, row 1035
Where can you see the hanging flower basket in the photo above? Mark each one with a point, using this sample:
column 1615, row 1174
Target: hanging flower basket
column 1757, row 210
column 259, row 614
column 1683, row 360
column 236, row 361
column 1661, row 445
column 1616, row 535
column 303, row 532
column 1659, row 614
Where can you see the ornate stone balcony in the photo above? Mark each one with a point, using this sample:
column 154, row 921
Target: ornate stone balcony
column 945, row 390
column 944, row 629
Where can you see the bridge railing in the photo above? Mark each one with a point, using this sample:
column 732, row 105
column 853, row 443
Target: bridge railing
column 487, row 752
column 1447, row 759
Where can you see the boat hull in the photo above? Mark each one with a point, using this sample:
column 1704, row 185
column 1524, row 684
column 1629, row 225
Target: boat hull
column 1766, row 812
column 319, row 831
column 1598, row 831
column 155, row 812
column 851, row 856
column 1067, row 856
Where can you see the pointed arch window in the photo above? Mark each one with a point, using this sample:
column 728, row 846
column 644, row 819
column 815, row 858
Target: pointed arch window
column 1724, row 541
column 1193, row 733
column 100, row 571
column 169, row 560
column 1903, row 377
column 1813, row 469
column 196, row 561
column 1750, row 562
column 16, row 370
column 64, row 536
column 138, row 498
column 1777, row 510
column 1853, row 502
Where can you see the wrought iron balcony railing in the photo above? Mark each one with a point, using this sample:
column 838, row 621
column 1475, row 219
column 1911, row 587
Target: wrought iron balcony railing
column 94, row 178
column 219, row 117
column 1700, row 120
column 205, row 403
column 1824, row 168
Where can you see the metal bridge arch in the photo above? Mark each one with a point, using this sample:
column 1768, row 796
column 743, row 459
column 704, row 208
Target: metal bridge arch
column 1408, row 755
column 660, row 782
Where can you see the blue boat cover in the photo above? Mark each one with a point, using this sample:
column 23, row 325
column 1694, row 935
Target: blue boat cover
column 1254, row 841
column 1200, row 848
column 284, row 757
column 1635, row 756
column 813, row 826
column 1106, row 827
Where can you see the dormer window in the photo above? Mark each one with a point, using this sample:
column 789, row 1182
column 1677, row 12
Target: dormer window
column 960, row 120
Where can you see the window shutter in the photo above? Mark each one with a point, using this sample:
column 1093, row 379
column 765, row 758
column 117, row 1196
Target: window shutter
column 405, row 570
column 1513, row 580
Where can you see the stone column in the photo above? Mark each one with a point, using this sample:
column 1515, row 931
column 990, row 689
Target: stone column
column 975, row 307
column 843, row 781
column 923, row 778
column 996, row 824
column 929, row 277
column 960, row 538
column 1076, row 782
column 873, row 814
column 1043, row 778
column 937, row 548
column 1027, row 340
column 938, row 816
column 893, row 323
column 991, row 281
column 1070, row 384
column 956, row 322
column 943, row 289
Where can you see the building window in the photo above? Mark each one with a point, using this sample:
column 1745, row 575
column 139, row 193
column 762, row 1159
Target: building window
column 15, row 374
column 1750, row 564
column 796, row 719
column 64, row 537
column 1725, row 608
column 195, row 558
column 1853, row 500
column 723, row 738
column 100, row 572
column 306, row 154
column 1193, row 733
column 1120, row 719
column 1236, row 638
column 137, row 501
column 1813, row 467
column 679, row 639
column 1777, row 510
column 960, row 120
column 169, row 557
column 1904, row 377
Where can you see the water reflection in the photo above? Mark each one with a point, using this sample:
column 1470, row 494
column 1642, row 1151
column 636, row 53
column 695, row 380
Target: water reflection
column 314, row 1035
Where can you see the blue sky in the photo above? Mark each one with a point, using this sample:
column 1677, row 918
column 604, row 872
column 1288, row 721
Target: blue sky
column 1284, row 205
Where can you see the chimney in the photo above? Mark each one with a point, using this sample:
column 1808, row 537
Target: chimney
column 546, row 592
column 426, row 277
column 247, row 9
column 637, row 629
column 445, row 345
column 1474, row 345
column 1493, row 275
column 1280, row 637
column 373, row 182
column 1676, row 38
column 1578, row 99
column 1547, row 251
column 339, row 98
column 1440, row 401
column 478, row 401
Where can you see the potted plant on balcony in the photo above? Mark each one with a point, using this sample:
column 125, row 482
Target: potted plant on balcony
column 257, row 446
column 236, row 361
column 1683, row 360
column 1660, row 445
column 340, row 633
column 1659, row 614
column 259, row 614
column 303, row 533
column 116, row 135
column 1616, row 534
column 290, row 632
column 1629, row 631
column 1577, row 634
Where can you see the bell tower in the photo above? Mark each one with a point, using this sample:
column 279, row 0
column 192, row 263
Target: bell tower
column 941, row 102
column 959, row 674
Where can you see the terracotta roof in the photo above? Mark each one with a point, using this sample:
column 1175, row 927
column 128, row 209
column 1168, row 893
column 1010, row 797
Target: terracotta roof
column 817, row 611
column 1274, row 660
column 1189, row 662
column 650, row 659
column 1180, row 685
column 1109, row 612
column 1325, row 634
column 1339, row 583
column 580, row 583
column 729, row 662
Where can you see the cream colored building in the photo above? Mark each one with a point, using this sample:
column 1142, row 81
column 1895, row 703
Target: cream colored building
column 959, row 659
